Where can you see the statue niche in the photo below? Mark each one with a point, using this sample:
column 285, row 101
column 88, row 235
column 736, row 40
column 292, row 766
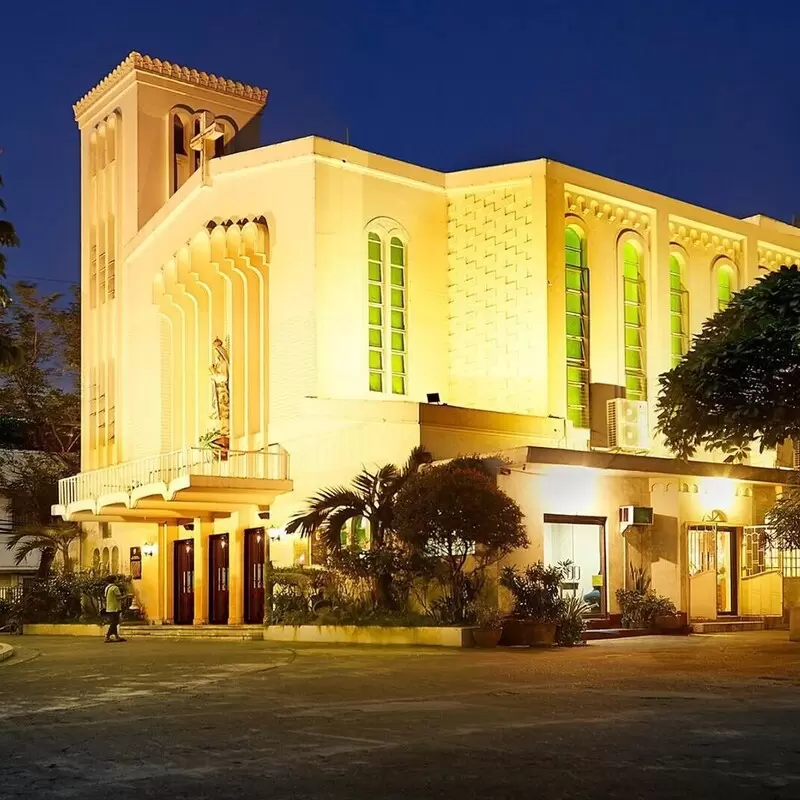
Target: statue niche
column 221, row 397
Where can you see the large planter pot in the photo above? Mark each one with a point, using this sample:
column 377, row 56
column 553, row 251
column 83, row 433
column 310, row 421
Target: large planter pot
column 487, row 637
column 671, row 623
column 526, row 633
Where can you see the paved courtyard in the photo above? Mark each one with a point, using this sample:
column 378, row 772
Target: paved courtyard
column 652, row 718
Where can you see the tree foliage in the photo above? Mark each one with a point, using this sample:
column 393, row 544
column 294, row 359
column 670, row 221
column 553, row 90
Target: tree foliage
column 40, row 414
column 740, row 380
column 456, row 514
column 8, row 238
column 371, row 497
column 48, row 540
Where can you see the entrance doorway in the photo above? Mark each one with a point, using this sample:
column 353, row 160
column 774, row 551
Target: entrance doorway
column 254, row 555
column 218, row 559
column 581, row 540
column 183, row 559
column 713, row 571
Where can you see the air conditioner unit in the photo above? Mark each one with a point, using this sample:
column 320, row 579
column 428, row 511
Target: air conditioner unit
column 628, row 427
column 635, row 515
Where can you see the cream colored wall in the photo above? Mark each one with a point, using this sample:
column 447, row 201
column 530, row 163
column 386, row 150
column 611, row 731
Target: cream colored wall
column 498, row 318
column 348, row 204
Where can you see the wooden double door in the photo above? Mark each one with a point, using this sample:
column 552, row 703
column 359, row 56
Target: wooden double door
column 219, row 575
column 255, row 549
column 183, row 562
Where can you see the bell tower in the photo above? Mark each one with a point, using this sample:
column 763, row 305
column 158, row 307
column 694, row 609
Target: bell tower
column 145, row 130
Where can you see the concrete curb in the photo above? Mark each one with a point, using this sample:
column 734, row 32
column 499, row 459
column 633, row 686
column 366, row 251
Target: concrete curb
column 6, row 651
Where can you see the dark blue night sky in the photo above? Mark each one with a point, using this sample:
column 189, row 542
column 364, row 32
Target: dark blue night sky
column 697, row 100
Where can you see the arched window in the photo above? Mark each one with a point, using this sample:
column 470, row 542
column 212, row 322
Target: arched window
column 726, row 285
column 96, row 560
column 577, row 303
column 114, row 560
column 634, row 310
column 105, row 561
column 678, row 311
column 386, row 287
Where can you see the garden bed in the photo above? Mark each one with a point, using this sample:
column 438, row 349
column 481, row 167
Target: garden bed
column 371, row 634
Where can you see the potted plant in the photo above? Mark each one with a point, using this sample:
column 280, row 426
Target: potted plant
column 217, row 442
column 488, row 625
column 538, row 606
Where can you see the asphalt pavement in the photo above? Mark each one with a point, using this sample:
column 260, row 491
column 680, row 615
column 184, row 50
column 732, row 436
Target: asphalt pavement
column 656, row 717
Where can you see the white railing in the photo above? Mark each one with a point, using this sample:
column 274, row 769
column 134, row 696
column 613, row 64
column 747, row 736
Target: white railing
column 269, row 464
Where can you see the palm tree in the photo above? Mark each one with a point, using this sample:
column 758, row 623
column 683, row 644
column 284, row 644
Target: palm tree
column 49, row 540
column 371, row 498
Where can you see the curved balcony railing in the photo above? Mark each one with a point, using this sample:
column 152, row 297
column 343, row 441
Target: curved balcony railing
column 271, row 463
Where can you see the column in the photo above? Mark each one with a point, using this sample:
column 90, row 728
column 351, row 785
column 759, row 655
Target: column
column 236, row 578
column 167, row 536
column 202, row 530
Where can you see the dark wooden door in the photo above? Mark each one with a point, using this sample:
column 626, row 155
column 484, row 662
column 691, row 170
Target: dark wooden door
column 254, row 552
column 184, row 581
column 218, row 558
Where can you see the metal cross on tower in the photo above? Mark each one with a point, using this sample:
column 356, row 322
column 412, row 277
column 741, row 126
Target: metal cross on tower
column 203, row 143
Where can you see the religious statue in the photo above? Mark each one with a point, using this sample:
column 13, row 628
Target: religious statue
column 220, row 377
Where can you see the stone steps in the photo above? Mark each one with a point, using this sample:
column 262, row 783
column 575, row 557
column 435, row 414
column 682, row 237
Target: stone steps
column 729, row 626
column 596, row 634
column 249, row 633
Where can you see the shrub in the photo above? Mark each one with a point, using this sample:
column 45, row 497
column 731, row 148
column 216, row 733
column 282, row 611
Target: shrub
column 572, row 623
column 639, row 610
column 536, row 591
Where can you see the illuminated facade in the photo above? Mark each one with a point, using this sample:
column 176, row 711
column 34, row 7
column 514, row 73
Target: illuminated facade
column 263, row 321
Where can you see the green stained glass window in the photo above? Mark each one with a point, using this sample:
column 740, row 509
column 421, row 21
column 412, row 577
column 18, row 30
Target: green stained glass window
column 577, row 326
column 679, row 312
column 398, row 250
column 387, row 314
column 725, row 286
column 633, row 294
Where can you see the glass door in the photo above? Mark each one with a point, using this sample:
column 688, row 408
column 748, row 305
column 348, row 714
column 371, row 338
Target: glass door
column 580, row 540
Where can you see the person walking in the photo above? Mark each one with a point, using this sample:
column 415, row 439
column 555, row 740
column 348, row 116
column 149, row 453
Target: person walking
column 113, row 604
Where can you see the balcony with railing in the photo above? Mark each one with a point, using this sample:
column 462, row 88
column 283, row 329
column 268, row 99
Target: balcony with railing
column 176, row 484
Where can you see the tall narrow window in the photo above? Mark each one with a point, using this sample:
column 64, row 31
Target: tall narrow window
column 577, row 303
column 725, row 286
column 678, row 311
column 387, row 315
column 634, row 303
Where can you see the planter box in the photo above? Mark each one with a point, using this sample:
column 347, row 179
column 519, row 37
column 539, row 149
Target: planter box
column 367, row 634
column 524, row 633
column 66, row 629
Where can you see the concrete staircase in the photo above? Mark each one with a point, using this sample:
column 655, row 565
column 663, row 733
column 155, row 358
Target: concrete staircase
column 247, row 633
column 737, row 624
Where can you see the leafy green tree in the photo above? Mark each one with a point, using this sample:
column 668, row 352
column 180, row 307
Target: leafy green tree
column 40, row 414
column 9, row 353
column 740, row 383
column 740, row 380
column 456, row 515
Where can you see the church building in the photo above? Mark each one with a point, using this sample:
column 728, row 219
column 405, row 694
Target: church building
column 261, row 322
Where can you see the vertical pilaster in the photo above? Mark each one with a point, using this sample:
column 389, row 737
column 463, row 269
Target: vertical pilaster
column 236, row 580
column 167, row 536
column 203, row 529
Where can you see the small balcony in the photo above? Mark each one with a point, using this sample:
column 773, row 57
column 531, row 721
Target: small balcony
column 188, row 483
